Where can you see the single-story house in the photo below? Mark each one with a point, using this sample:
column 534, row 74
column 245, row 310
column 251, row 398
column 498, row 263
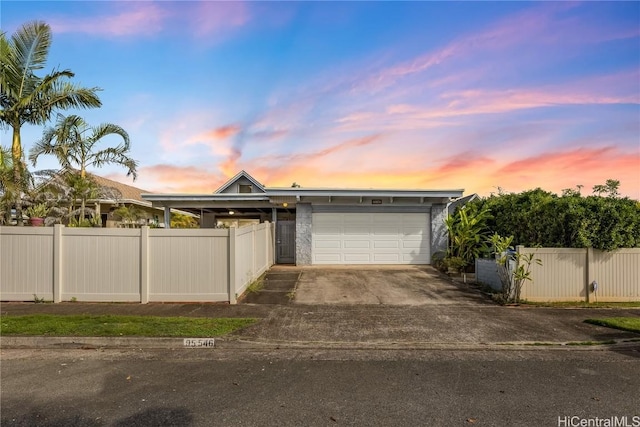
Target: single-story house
column 327, row 226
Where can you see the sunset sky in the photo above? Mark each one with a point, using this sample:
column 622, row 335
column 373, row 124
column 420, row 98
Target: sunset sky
column 430, row 95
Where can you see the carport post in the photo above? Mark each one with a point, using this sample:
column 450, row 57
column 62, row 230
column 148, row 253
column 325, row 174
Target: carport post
column 167, row 217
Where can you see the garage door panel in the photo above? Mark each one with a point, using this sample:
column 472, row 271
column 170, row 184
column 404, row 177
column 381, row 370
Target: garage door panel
column 383, row 258
column 327, row 258
column 385, row 231
column 415, row 259
column 414, row 244
column 357, row 244
column 386, row 244
column 356, row 231
column 371, row 238
column 329, row 244
column 357, row 258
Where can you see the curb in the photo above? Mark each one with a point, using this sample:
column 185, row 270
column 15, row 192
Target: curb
column 94, row 343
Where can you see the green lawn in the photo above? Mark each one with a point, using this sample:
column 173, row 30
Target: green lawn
column 117, row 326
column 631, row 324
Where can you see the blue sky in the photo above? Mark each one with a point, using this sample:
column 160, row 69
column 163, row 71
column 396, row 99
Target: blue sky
column 470, row 95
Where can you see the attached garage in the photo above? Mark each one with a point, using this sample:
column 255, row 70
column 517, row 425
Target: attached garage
column 371, row 238
column 329, row 225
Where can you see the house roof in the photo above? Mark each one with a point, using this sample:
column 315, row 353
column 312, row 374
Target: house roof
column 275, row 195
column 128, row 192
column 236, row 178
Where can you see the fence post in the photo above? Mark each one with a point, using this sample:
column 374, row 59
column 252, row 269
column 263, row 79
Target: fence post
column 144, row 264
column 268, row 245
column 232, row 266
column 589, row 276
column 57, row 262
column 253, row 251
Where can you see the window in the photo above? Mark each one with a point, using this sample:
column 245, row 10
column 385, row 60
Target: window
column 245, row 188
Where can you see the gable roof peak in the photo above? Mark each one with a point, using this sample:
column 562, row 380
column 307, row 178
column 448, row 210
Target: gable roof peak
column 238, row 176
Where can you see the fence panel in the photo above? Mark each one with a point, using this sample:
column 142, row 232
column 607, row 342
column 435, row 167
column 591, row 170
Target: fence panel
column 188, row 265
column 617, row 274
column 263, row 248
column 26, row 263
column 561, row 277
column 101, row 264
column 245, row 257
column 487, row 273
column 94, row 264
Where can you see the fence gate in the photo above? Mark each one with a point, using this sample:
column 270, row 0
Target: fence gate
column 285, row 242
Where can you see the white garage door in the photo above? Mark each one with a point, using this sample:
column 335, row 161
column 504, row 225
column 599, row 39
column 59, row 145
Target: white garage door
column 371, row 238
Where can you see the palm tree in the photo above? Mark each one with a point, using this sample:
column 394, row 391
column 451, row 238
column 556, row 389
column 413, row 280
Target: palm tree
column 28, row 98
column 6, row 195
column 74, row 143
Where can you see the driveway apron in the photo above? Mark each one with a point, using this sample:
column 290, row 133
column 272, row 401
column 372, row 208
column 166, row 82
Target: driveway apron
column 391, row 285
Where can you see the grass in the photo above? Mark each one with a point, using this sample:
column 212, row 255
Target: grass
column 256, row 286
column 631, row 324
column 117, row 326
column 582, row 304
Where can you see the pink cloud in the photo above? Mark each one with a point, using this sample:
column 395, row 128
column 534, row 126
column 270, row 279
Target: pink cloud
column 133, row 18
column 556, row 170
column 209, row 17
column 224, row 132
column 165, row 178
column 202, row 18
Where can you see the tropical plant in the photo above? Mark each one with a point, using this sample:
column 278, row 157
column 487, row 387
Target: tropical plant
column 26, row 97
column 75, row 145
column 64, row 190
column 514, row 268
column 129, row 215
column 39, row 210
column 467, row 235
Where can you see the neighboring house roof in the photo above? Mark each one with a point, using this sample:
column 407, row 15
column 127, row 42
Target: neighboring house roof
column 460, row 202
column 128, row 192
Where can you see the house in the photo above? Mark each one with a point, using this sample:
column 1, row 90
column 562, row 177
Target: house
column 324, row 225
column 127, row 195
column 114, row 195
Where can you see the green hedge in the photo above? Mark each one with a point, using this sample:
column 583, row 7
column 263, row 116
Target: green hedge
column 538, row 217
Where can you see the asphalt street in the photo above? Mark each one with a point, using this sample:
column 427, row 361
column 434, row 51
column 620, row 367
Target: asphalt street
column 229, row 387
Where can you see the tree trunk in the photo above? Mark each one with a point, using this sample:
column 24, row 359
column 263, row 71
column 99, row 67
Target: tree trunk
column 16, row 154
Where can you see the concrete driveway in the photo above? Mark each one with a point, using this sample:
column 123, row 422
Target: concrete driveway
column 388, row 285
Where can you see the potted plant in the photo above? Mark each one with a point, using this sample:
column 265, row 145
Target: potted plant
column 37, row 213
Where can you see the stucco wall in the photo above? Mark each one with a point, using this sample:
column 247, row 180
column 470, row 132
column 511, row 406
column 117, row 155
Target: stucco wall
column 303, row 234
column 438, row 229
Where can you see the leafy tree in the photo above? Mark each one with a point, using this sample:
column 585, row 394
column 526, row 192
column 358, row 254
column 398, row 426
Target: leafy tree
column 75, row 144
column 610, row 188
column 183, row 221
column 129, row 214
column 26, row 97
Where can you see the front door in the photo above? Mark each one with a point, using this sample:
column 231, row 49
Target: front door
column 285, row 242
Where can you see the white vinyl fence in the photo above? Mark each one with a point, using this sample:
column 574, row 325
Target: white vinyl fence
column 569, row 274
column 132, row 265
